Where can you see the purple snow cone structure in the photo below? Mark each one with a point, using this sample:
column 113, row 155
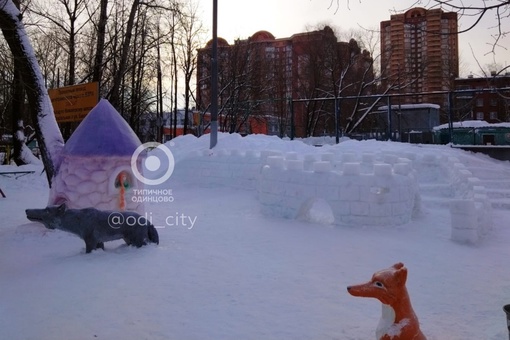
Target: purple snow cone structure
column 95, row 169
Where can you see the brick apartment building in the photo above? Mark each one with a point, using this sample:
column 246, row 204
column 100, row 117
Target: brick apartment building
column 419, row 52
column 259, row 76
column 492, row 104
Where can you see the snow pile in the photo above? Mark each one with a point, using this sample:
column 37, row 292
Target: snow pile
column 238, row 273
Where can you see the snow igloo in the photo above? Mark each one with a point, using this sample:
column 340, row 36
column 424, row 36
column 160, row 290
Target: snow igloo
column 95, row 168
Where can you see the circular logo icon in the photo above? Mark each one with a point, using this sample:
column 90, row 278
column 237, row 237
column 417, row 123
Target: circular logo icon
column 158, row 155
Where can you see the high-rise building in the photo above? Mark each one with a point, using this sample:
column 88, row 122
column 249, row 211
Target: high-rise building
column 419, row 54
column 259, row 76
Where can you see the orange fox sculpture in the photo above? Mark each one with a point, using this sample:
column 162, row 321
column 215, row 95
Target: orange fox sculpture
column 398, row 321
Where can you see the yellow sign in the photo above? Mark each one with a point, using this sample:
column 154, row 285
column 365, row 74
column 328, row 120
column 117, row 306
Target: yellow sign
column 72, row 103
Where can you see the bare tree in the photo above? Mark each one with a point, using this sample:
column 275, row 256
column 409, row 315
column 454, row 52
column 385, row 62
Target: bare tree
column 319, row 50
column 51, row 56
column 141, row 97
column 17, row 108
column 126, row 44
column 368, row 40
column 100, row 44
column 478, row 10
column 103, row 49
column 68, row 22
column 175, row 73
column 244, row 82
column 6, row 79
column 192, row 31
column 41, row 111
column 331, row 70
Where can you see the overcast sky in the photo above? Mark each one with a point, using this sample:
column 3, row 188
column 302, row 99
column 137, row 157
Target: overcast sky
column 242, row 18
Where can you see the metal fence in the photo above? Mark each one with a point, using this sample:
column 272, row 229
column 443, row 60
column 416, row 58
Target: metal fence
column 392, row 117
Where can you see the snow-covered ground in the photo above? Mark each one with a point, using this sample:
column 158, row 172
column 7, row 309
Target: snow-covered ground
column 238, row 273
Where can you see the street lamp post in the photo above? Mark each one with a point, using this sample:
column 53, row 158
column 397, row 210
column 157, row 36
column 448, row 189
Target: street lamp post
column 214, row 78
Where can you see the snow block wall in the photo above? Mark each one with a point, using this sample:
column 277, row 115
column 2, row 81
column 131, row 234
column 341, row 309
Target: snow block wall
column 471, row 211
column 469, row 221
column 362, row 192
column 221, row 168
column 367, row 188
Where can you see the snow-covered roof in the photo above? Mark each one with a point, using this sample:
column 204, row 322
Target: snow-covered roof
column 473, row 124
column 410, row 107
column 103, row 132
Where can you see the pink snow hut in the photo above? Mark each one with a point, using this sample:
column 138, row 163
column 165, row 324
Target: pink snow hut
column 95, row 169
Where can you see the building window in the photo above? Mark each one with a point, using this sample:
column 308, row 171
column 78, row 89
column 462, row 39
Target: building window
column 479, row 102
column 493, row 115
column 479, row 115
column 494, row 102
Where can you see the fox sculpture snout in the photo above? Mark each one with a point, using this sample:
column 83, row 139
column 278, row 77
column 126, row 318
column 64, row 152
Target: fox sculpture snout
column 398, row 320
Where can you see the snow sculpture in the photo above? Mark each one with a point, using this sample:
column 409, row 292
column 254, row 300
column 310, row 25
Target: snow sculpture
column 471, row 212
column 375, row 194
column 359, row 189
column 96, row 164
column 398, row 320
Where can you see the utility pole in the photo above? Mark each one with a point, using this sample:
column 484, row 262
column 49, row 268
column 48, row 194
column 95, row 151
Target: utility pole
column 214, row 78
column 337, row 120
column 159, row 120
